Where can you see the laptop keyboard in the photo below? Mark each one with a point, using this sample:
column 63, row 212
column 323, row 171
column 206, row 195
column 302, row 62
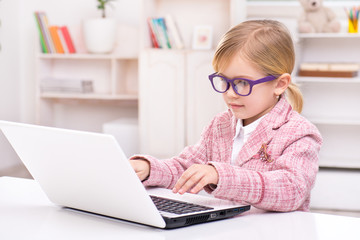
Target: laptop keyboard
column 177, row 207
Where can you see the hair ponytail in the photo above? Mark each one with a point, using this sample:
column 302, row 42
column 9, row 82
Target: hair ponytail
column 295, row 97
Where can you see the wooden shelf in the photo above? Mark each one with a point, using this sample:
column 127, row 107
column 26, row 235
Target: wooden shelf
column 187, row 50
column 329, row 121
column 328, row 35
column 85, row 56
column 328, row 162
column 300, row 79
column 88, row 96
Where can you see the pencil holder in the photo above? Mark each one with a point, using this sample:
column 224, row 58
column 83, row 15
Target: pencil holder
column 353, row 26
column 353, row 17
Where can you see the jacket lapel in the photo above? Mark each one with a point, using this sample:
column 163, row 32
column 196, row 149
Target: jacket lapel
column 265, row 131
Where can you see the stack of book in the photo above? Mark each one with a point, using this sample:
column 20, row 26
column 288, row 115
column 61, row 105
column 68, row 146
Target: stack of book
column 53, row 39
column 66, row 85
column 164, row 33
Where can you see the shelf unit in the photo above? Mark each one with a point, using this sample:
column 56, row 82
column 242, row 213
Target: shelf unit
column 332, row 104
column 173, row 116
column 115, row 80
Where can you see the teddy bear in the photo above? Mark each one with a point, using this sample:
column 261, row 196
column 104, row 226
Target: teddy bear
column 317, row 19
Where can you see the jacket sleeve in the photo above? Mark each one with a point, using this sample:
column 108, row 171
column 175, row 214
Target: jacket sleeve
column 165, row 173
column 284, row 188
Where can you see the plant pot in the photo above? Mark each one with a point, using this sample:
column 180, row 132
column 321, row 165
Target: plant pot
column 99, row 35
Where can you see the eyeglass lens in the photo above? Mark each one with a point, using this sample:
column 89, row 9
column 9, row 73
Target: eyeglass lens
column 242, row 87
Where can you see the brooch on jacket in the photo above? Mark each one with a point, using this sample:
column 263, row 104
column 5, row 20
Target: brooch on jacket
column 264, row 154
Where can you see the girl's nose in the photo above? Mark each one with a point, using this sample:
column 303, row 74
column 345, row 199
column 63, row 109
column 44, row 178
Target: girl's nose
column 231, row 93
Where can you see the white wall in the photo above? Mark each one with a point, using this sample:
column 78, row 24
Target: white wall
column 9, row 60
column 9, row 73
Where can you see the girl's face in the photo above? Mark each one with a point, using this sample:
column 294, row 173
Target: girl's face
column 262, row 98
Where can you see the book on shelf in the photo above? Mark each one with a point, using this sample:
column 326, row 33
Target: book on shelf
column 44, row 46
column 44, row 33
column 164, row 33
column 56, row 39
column 174, row 32
column 53, row 39
column 159, row 33
column 152, row 33
column 68, row 40
column 62, row 40
column 66, row 85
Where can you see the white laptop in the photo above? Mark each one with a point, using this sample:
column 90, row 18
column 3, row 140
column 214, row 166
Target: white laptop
column 89, row 172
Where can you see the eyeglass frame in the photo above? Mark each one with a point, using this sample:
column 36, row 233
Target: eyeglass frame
column 231, row 82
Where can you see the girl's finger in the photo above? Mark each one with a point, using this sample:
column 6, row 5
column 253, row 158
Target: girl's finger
column 195, row 178
column 199, row 186
column 183, row 179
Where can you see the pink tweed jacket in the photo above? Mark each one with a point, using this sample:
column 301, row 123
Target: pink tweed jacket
column 275, row 170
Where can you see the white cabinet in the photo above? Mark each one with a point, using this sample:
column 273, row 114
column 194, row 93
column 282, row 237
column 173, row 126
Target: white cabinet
column 173, row 116
column 337, row 190
column 161, row 106
column 332, row 104
column 202, row 102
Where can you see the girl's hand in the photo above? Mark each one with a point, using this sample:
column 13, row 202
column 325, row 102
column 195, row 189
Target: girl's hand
column 141, row 167
column 196, row 178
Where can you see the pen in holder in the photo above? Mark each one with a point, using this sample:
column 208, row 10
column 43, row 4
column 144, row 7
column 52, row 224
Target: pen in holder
column 353, row 18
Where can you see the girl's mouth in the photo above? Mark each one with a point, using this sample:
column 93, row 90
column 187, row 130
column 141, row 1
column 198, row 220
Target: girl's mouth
column 235, row 106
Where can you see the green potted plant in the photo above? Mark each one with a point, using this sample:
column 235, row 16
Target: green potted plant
column 100, row 33
column 101, row 5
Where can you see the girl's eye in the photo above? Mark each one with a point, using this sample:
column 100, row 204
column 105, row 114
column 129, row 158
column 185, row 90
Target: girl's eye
column 220, row 84
column 241, row 83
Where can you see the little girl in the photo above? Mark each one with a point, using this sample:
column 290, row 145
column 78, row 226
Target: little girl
column 261, row 151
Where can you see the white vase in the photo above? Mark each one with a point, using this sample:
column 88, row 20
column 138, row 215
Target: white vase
column 99, row 35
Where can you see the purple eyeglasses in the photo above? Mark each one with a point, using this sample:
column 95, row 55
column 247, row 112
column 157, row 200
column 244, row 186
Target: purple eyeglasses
column 241, row 86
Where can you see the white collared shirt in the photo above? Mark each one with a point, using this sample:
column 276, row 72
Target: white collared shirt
column 241, row 136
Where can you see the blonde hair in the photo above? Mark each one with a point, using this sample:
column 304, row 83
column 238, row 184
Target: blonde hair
column 265, row 43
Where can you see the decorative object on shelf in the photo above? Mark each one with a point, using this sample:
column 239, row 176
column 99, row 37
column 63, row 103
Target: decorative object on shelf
column 329, row 70
column 53, row 39
column 317, row 18
column 100, row 33
column 353, row 19
column 202, row 38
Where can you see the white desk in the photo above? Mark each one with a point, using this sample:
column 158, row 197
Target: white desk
column 26, row 213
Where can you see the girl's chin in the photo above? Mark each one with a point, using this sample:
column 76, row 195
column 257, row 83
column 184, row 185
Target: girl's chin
column 238, row 114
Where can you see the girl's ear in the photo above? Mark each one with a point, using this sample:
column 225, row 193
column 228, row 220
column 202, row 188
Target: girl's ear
column 282, row 84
